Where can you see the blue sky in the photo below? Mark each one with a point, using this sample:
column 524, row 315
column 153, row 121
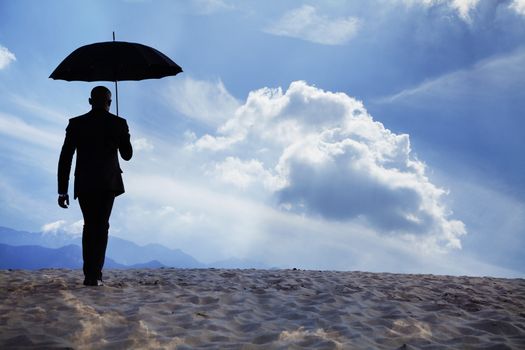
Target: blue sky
column 350, row 135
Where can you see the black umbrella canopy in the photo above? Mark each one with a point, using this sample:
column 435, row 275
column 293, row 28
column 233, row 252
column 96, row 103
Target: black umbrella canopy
column 115, row 61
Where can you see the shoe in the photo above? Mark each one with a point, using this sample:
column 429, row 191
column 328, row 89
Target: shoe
column 93, row 283
column 90, row 282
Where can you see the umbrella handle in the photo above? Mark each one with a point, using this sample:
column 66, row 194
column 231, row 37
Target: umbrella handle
column 116, row 94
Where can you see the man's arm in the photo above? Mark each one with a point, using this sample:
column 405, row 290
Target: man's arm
column 64, row 166
column 124, row 147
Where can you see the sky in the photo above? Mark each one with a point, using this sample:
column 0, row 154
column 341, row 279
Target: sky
column 377, row 135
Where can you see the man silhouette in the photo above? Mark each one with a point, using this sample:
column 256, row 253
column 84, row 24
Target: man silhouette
column 97, row 137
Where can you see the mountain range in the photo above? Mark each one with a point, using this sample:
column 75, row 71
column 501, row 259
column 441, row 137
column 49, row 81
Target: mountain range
column 31, row 257
column 34, row 250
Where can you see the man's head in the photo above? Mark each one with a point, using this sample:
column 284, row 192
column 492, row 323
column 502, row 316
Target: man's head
column 100, row 98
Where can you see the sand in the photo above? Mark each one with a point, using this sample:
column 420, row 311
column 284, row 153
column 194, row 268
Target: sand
column 259, row 309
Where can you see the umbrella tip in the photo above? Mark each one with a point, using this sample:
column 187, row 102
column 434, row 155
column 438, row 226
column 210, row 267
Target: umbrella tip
column 113, row 35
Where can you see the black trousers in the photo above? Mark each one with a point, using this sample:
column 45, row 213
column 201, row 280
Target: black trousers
column 96, row 209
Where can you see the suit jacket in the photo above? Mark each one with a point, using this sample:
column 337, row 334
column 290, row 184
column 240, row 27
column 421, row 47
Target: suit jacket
column 97, row 137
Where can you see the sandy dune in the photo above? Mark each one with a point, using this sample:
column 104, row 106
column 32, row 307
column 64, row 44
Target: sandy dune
column 259, row 309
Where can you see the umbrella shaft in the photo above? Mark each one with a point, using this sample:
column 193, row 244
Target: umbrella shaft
column 116, row 94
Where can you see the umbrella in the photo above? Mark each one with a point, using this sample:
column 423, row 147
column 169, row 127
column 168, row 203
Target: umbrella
column 115, row 61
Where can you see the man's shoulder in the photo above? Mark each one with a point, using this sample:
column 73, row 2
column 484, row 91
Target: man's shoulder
column 78, row 118
column 116, row 117
column 90, row 114
column 77, row 122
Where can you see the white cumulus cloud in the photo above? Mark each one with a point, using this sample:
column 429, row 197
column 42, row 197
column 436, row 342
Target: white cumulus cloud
column 53, row 227
column 6, row 57
column 307, row 24
column 462, row 7
column 518, row 6
column 244, row 173
column 325, row 156
column 74, row 229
